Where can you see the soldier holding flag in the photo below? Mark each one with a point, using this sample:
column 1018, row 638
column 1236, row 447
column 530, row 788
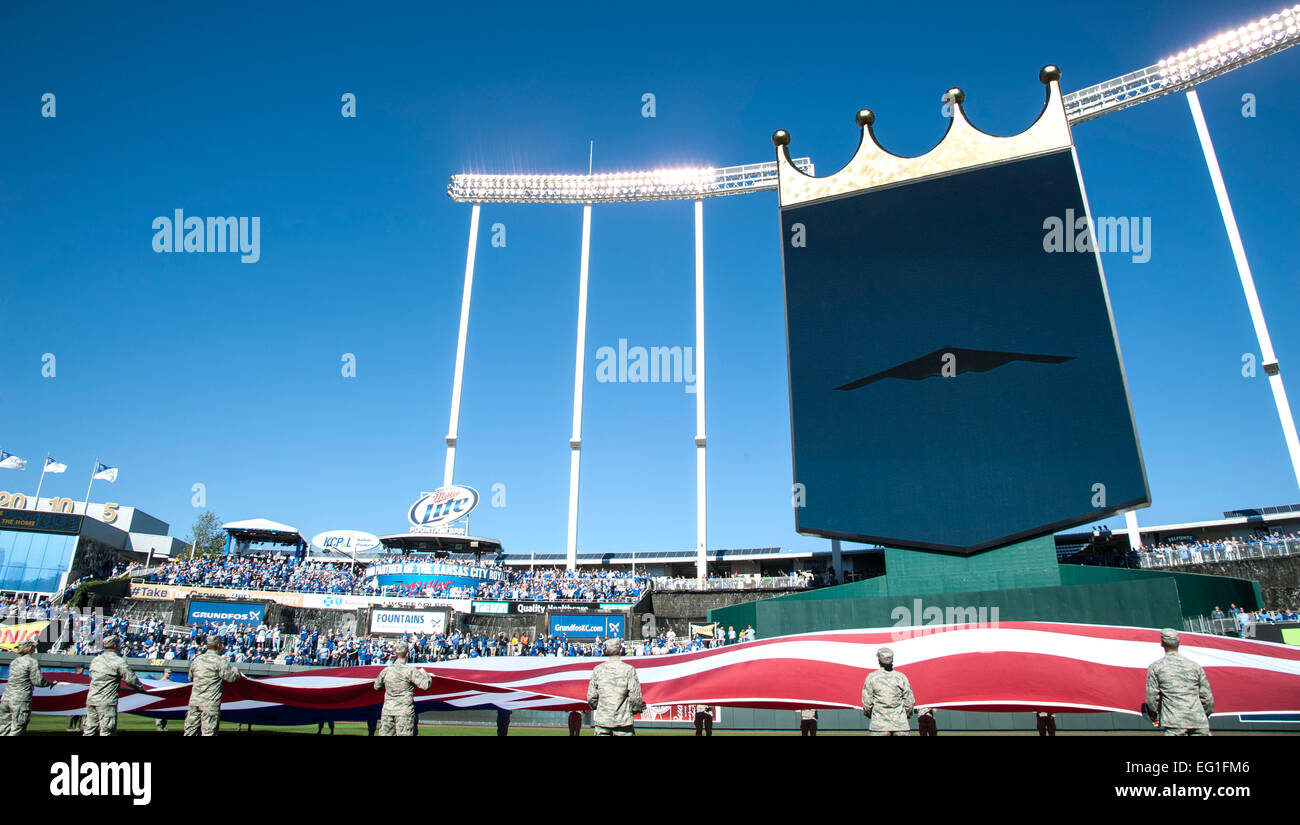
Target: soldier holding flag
column 398, row 681
column 1179, row 698
column 207, row 673
column 107, row 672
column 16, row 703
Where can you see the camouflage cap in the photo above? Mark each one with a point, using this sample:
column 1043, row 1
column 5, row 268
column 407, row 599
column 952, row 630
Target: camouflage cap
column 26, row 645
column 885, row 654
column 401, row 649
column 1169, row 637
column 112, row 642
column 215, row 641
column 613, row 647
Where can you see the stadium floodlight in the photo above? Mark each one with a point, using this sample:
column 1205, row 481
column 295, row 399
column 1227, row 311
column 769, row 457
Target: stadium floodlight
column 689, row 183
column 1228, row 51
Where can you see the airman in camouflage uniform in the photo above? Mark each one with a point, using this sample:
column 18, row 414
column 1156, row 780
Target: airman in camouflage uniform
column 614, row 693
column 107, row 672
column 1178, row 694
column 398, row 681
column 887, row 698
column 207, row 673
column 16, row 703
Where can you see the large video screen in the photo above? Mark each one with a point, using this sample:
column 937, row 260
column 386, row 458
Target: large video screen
column 955, row 381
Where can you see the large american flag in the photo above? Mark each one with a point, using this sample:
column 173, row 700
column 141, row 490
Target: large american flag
column 1014, row 666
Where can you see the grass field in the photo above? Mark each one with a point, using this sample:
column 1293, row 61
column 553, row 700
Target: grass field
column 129, row 725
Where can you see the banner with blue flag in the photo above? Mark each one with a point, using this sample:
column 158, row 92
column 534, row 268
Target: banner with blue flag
column 52, row 466
column 105, row 473
column 9, row 461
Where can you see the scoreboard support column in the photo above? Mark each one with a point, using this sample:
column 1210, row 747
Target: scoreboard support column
column 449, row 469
column 701, row 531
column 579, row 367
column 1266, row 354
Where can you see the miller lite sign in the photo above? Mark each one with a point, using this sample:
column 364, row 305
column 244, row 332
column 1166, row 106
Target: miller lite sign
column 434, row 512
column 955, row 379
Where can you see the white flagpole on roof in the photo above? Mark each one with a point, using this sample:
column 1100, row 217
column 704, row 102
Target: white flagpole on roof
column 36, row 505
column 85, row 507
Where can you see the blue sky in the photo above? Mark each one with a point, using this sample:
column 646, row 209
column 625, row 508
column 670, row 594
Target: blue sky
column 196, row 368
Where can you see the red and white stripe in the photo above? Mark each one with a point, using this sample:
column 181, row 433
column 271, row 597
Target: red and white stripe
column 1014, row 666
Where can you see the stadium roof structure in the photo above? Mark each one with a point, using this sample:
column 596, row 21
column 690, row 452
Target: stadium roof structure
column 1212, row 528
column 1258, row 512
column 676, row 556
column 1219, row 55
column 264, row 531
column 440, row 543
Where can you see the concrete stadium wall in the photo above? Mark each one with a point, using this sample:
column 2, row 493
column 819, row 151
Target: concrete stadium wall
column 1279, row 579
column 678, row 610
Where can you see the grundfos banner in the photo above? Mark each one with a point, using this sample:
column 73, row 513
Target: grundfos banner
column 587, row 626
column 224, row 612
column 400, row 622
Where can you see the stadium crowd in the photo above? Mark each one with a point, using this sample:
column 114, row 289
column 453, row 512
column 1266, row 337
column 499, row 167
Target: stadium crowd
column 1175, row 554
column 268, row 572
column 1245, row 618
column 276, row 572
column 556, row 584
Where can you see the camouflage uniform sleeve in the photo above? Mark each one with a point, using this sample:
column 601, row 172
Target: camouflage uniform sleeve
column 229, row 673
column 128, row 675
column 909, row 699
column 593, row 692
column 379, row 680
column 635, row 702
column 421, row 678
column 866, row 696
column 1153, row 694
column 39, row 679
column 1207, row 696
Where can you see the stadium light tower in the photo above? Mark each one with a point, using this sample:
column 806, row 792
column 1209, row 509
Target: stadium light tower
column 1181, row 73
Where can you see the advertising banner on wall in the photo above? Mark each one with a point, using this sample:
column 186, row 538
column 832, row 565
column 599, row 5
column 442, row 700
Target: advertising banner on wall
column 317, row 601
column 329, row 601
column 421, row 576
column 399, row 622
column 12, row 635
column 164, row 592
column 674, row 713
column 501, row 608
column 197, row 611
column 587, row 625
column 31, row 520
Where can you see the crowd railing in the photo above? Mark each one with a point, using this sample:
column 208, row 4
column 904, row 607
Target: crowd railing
column 671, row 585
column 1179, row 555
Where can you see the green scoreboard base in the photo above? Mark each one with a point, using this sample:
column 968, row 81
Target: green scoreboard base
column 1019, row 583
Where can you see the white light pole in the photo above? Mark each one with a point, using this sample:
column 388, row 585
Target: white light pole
column 701, row 531
column 449, row 470
column 1134, row 535
column 1267, row 356
column 579, row 370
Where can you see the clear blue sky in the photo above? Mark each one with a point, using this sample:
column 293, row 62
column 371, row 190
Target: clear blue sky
column 188, row 368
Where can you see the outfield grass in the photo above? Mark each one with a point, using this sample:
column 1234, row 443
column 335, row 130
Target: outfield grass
column 131, row 725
